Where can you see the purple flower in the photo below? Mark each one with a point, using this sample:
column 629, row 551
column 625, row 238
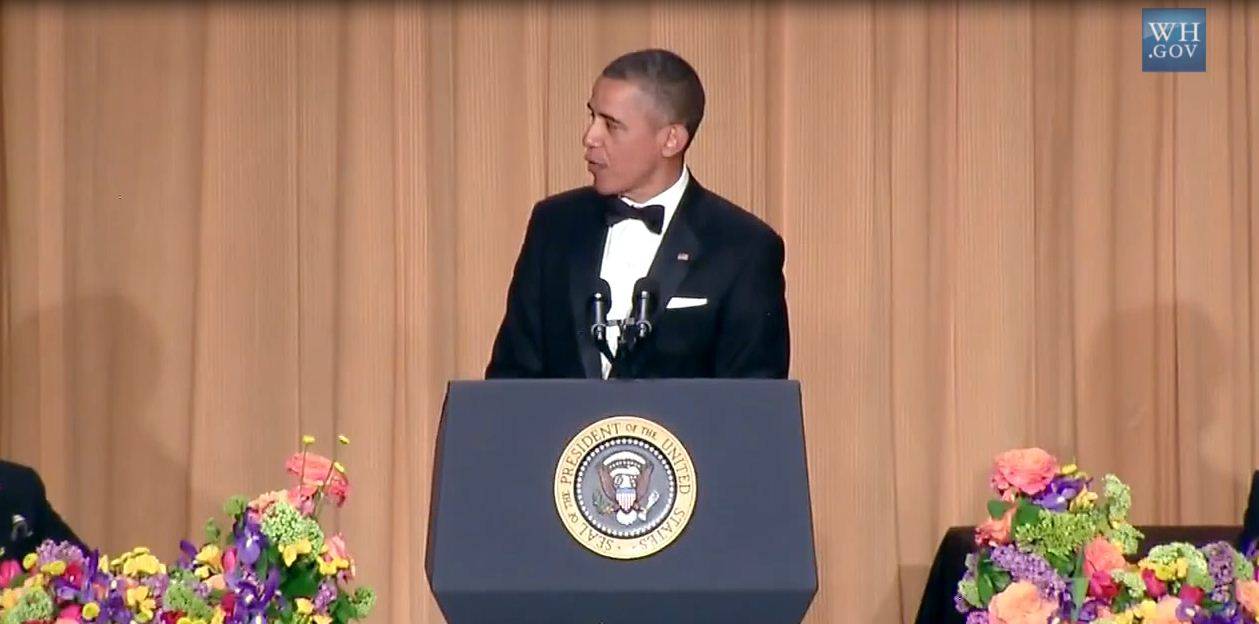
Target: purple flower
column 1032, row 568
column 328, row 592
column 253, row 597
column 51, row 551
column 1057, row 496
column 249, row 541
column 977, row 617
column 1220, row 565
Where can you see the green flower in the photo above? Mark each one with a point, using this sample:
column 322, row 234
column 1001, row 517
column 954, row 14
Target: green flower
column 181, row 597
column 1168, row 556
column 34, row 605
column 1057, row 536
column 1118, row 498
column 1126, row 536
column 363, row 601
column 283, row 524
column 1242, row 568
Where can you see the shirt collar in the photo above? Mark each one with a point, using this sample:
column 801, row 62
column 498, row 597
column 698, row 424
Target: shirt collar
column 669, row 198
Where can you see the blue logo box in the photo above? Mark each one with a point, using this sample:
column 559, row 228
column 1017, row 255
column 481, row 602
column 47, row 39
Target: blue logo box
column 1174, row 40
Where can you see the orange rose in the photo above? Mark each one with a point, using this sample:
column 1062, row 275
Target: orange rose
column 1165, row 612
column 995, row 532
column 1248, row 596
column 316, row 471
column 1020, row 603
column 1026, row 470
column 1102, row 555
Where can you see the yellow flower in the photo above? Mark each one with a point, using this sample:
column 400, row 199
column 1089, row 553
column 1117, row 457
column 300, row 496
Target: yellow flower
column 1085, row 500
column 308, row 440
column 212, row 556
column 322, row 619
column 343, row 440
column 56, row 568
column 291, row 551
column 141, row 603
column 29, row 561
column 339, row 467
column 1069, row 469
column 327, row 568
column 145, row 564
column 1147, row 609
column 219, row 616
column 9, row 598
column 90, row 611
column 1124, row 618
column 304, row 606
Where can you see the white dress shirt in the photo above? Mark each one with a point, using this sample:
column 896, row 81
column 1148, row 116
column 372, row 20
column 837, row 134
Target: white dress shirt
column 628, row 252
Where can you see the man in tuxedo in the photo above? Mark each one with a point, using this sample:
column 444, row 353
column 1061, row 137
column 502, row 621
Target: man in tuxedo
column 714, row 271
column 26, row 517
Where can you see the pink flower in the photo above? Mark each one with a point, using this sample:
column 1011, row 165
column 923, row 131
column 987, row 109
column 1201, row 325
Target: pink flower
column 1192, row 595
column 1165, row 612
column 1102, row 555
column 72, row 613
column 315, row 471
column 9, row 570
column 1101, row 585
column 1155, row 587
column 1248, row 596
column 995, row 532
column 229, row 559
column 1020, row 603
column 1026, row 470
column 337, row 550
column 260, row 505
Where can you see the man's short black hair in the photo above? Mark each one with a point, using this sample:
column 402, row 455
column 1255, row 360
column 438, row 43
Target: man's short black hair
column 669, row 79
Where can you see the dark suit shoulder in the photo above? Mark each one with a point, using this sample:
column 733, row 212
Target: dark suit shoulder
column 730, row 222
column 568, row 201
column 17, row 476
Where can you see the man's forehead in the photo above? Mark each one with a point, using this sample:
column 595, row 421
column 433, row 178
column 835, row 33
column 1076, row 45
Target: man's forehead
column 612, row 95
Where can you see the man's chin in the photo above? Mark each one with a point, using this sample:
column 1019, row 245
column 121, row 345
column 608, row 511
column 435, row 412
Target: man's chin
column 603, row 187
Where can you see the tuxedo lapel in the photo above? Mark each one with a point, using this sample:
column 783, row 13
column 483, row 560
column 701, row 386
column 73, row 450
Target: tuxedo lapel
column 585, row 260
column 678, row 250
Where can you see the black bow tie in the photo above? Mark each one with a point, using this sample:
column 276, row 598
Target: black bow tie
column 651, row 216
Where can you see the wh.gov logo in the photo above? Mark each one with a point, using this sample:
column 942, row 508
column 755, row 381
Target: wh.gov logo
column 1174, row 40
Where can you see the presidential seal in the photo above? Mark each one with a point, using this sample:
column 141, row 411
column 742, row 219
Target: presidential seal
column 625, row 487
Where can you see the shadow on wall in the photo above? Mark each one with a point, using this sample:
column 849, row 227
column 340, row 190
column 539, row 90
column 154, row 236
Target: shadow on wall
column 1155, row 408
column 125, row 462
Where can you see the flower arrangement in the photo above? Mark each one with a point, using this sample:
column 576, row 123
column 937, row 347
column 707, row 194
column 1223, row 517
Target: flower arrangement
column 276, row 564
column 1054, row 551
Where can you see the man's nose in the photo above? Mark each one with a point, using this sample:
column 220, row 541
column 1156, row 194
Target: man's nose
column 592, row 137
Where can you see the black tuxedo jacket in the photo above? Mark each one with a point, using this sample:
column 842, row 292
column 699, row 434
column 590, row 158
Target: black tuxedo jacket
column 711, row 249
column 1250, row 524
column 26, row 517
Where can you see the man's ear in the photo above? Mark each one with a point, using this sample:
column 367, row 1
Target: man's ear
column 675, row 140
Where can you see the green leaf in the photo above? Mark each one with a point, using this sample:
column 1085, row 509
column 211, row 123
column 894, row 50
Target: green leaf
column 302, row 582
column 212, row 531
column 986, row 588
column 997, row 508
column 1079, row 591
column 235, row 506
column 1027, row 514
column 341, row 610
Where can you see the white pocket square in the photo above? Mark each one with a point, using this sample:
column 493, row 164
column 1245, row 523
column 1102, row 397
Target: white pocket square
column 686, row 302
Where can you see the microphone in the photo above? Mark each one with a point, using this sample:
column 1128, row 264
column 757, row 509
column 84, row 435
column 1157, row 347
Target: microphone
column 20, row 529
column 601, row 302
column 645, row 291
